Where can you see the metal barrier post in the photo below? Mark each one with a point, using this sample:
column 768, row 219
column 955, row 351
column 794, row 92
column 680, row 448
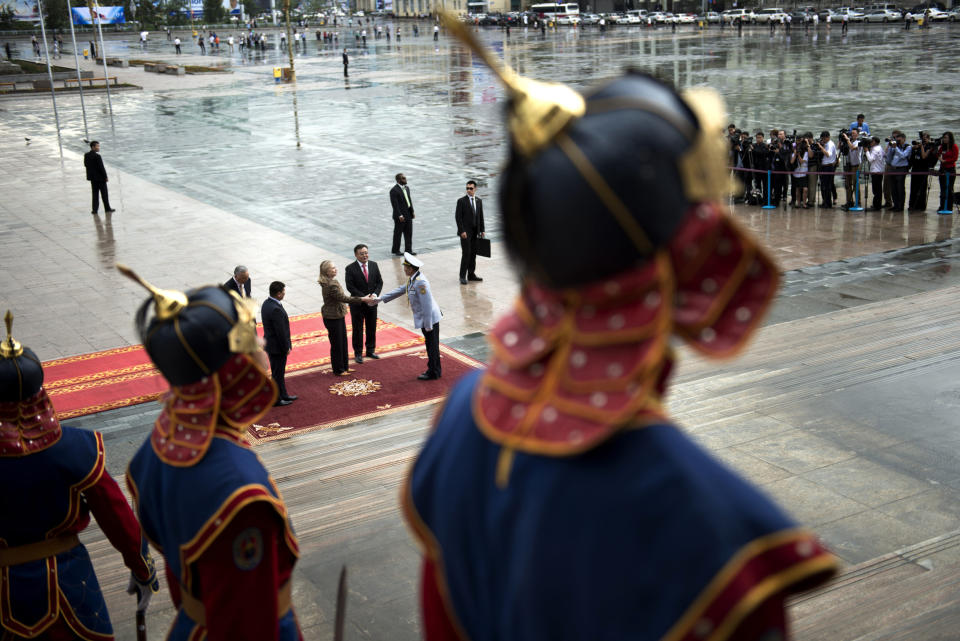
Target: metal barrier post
column 856, row 200
column 943, row 211
column 769, row 177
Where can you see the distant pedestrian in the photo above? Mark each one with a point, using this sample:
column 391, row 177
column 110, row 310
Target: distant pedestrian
column 230, row 43
column 203, row 47
column 97, row 175
column 346, row 63
column 176, row 45
column 436, row 32
column 363, row 37
column 6, row 46
column 169, row 35
column 93, row 49
column 36, row 47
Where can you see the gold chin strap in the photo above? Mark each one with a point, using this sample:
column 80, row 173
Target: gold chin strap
column 168, row 302
column 10, row 348
column 243, row 336
column 539, row 110
column 704, row 165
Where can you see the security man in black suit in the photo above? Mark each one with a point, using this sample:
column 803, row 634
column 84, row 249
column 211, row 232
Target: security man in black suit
column 276, row 332
column 97, row 175
column 363, row 278
column 402, row 216
column 469, row 216
column 240, row 282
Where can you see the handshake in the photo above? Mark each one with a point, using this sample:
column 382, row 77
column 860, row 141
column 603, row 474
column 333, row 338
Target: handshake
column 370, row 299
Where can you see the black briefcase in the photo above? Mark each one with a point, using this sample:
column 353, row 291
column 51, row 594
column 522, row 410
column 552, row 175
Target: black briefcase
column 483, row 247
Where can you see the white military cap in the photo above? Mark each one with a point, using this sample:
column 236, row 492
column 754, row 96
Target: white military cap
column 413, row 261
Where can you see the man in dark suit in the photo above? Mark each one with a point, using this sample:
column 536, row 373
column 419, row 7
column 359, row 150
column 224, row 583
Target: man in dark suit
column 469, row 216
column 276, row 332
column 97, row 175
column 240, row 282
column 402, row 216
column 363, row 278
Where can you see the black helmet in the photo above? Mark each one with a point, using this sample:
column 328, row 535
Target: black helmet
column 21, row 375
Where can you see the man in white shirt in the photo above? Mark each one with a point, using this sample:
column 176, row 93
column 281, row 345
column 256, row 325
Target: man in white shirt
column 828, row 165
column 874, row 157
column 852, row 160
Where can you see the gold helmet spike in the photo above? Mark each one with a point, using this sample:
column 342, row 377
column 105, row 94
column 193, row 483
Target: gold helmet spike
column 169, row 302
column 539, row 111
column 10, row 348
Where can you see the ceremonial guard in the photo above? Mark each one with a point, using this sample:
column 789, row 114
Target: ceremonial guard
column 426, row 312
column 203, row 497
column 53, row 477
column 554, row 498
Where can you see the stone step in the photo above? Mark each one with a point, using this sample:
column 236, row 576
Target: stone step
column 913, row 593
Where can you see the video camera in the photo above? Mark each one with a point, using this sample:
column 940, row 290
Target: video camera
column 843, row 138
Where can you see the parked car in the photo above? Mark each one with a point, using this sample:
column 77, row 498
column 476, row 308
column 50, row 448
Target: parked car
column 883, row 13
column 954, row 15
column 686, row 18
column 745, row 15
column 713, row 17
column 770, row 14
column 852, row 14
column 568, row 20
column 589, row 18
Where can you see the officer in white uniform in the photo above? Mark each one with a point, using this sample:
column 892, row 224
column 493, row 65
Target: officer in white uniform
column 426, row 312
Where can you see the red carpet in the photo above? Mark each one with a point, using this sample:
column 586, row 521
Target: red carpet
column 374, row 388
column 123, row 376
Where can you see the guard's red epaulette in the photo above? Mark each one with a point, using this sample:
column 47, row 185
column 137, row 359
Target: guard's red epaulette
column 572, row 367
column 237, row 395
column 28, row 426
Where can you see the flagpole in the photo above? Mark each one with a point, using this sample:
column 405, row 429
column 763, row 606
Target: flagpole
column 76, row 59
column 103, row 52
column 46, row 51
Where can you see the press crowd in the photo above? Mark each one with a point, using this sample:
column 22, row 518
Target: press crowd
column 776, row 167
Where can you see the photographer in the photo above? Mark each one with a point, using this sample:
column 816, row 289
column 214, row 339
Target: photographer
column 898, row 156
column 760, row 160
column 888, row 173
column 947, row 153
column 800, row 160
column 828, row 165
column 812, row 178
column 739, row 146
column 779, row 163
column 923, row 157
column 873, row 156
column 851, row 148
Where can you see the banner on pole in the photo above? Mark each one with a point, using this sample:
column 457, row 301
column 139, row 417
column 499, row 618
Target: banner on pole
column 107, row 15
column 232, row 7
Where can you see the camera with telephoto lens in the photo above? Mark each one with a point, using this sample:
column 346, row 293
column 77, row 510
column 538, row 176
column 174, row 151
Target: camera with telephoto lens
column 844, row 145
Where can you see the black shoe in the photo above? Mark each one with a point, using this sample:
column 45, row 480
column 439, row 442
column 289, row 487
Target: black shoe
column 463, row 281
column 110, row 211
column 373, row 356
column 291, row 397
column 412, row 253
column 95, row 213
column 427, row 377
column 474, row 278
column 358, row 358
column 282, row 402
column 397, row 254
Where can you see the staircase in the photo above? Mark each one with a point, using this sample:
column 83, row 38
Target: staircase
column 910, row 595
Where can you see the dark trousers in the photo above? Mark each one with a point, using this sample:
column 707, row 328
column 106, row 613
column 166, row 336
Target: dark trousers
column 898, row 183
column 99, row 187
column 876, row 183
column 918, row 191
column 946, row 189
column 405, row 228
column 432, row 339
column 337, row 335
column 361, row 315
column 779, row 188
column 468, row 255
column 278, row 369
column 826, row 185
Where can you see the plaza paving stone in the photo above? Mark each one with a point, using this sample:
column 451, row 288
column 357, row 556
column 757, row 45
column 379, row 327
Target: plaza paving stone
column 843, row 409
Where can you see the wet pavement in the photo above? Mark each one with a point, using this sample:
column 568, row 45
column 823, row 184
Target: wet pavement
column 433, row 111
